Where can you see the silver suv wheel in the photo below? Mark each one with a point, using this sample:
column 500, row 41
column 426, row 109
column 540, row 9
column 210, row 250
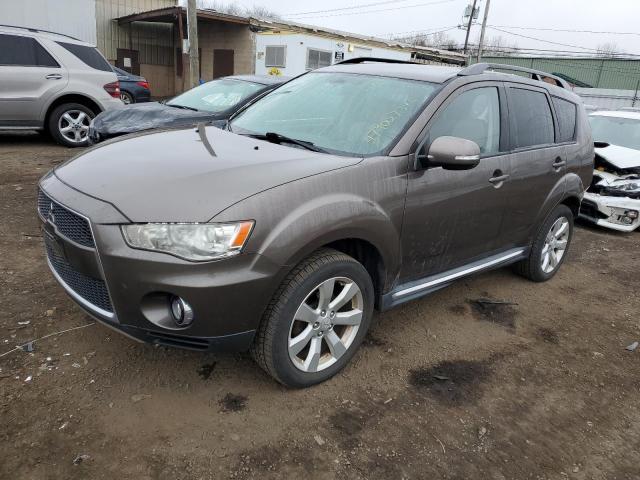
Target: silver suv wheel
column 73, row 125
column 325, row 324
column 555, row 245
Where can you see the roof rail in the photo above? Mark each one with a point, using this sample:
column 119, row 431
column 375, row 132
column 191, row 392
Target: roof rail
column 479, row 68
column 39, row 30
column 373, row 59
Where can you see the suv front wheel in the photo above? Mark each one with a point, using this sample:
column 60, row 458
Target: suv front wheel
column 316, row 321
column 69, row 124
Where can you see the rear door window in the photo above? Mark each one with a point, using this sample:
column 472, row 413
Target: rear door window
column 531, row 118
column 566, row 114
column 88, row 55
column 16, row 50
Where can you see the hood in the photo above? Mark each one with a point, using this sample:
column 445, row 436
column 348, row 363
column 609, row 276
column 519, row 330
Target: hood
column 620, row 157
column 145, row 116
column 171, row 176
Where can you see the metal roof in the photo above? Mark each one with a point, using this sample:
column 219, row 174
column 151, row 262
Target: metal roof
column 171, row 14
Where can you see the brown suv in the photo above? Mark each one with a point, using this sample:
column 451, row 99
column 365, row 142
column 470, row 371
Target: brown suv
column 358, row 186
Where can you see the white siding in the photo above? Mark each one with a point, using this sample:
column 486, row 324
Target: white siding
column 297, row 45
column 70, row 17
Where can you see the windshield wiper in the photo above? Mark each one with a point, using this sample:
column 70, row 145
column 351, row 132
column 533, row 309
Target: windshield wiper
column 184, row 107
column 274, row 137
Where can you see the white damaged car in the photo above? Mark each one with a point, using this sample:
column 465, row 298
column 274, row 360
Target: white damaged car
column 613, row 198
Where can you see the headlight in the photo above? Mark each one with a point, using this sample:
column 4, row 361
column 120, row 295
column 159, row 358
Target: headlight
column 191, row 241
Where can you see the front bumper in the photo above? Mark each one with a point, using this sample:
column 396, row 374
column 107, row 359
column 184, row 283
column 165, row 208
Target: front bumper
column 605, row 211
column 129, row 289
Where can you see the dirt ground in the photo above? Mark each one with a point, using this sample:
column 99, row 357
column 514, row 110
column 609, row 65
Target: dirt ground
column 445, row 387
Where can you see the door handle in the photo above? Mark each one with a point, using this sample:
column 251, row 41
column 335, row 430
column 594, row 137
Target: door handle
column 53, row 76
column 498, row 178
column 558, row 163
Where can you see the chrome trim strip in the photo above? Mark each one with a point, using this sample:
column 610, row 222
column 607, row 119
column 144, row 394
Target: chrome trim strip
column 459, row 274
column 76, row 296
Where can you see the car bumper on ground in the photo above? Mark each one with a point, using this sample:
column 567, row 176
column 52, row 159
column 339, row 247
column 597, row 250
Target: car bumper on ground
column 131, row 290
column 616, row 213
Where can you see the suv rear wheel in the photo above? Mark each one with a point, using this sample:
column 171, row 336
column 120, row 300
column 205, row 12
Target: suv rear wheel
column 316, row 321
column 69, row 124
column 549, row 247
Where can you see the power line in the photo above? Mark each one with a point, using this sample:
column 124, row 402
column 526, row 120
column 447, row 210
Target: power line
column 420, row 32
column 375, row 11
column 555, row 43
column 565, row 30
column 344, row 8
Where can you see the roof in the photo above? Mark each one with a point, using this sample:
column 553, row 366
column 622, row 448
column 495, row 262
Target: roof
column 278, row 24
column 170, row 14
column 617, row 113
column 262, row 79
column 426, row 73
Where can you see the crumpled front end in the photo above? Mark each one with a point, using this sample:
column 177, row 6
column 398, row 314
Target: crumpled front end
column 613, row 198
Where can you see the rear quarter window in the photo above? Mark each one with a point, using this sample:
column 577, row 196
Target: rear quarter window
column 566, row 112
column 16, row 50
column 88, row 55
column 531, row 118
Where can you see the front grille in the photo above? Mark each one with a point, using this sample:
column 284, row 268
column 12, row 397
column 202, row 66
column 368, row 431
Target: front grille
column 71, row 225
column 91, row 289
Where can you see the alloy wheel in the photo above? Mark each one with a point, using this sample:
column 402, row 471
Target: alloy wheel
column 74, row 125
column 325, row 324
column 555, row 245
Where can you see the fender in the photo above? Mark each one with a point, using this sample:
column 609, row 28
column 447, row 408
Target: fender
column 67, row 93
column 570, row 185
column 329, row 218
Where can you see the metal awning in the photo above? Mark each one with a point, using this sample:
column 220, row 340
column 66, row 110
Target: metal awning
column 171, row 14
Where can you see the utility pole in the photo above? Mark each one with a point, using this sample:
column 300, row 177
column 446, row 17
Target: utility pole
column 192, row 29
column 466, row 39
column 484, row 27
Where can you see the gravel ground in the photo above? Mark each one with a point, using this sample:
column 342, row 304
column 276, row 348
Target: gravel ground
column 444, row 387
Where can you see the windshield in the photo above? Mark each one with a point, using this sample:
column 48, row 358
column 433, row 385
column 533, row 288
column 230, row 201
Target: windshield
column 624, row 132
column 339, row 112
column 217, row 96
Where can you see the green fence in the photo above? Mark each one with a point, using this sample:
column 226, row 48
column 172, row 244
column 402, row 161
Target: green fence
column 595, row 72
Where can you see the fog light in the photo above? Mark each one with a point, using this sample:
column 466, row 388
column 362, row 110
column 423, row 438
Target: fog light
column 631, row 214
column 181, row 311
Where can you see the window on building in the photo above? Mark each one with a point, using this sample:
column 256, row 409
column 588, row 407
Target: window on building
column 566, row 114
column 275, row 56
column 531, row 119
column 88, row 55
column 473, row 115
column 317, row 59
column 24, row 51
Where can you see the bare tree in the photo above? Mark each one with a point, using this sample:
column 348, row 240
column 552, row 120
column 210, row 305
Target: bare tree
column 495, row 45
column 609, row 49
column 435, row 40
column 231, row 8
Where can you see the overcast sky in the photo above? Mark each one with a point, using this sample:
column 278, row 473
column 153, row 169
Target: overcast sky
column 399, row 16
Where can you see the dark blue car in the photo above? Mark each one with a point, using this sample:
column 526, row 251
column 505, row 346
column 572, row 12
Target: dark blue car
column 133, row 88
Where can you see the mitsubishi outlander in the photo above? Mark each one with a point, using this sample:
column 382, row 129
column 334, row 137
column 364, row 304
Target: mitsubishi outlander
column 357, row 186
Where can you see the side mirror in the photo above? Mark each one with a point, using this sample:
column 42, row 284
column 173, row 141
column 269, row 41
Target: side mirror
column 451, row 153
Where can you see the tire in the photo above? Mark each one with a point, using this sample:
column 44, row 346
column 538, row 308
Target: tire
column 126, row 97
column 301, row 293
column 69, row 115
column 533, row 267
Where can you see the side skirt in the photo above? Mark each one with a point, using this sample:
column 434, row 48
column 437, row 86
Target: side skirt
column 421, row 287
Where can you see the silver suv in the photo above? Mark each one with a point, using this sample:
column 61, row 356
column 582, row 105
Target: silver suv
column 53, row 82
